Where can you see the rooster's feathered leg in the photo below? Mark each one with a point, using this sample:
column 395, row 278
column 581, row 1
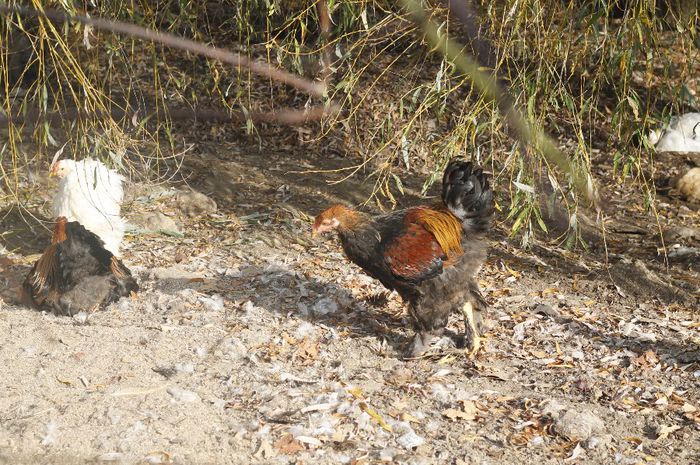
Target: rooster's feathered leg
column 471, row 331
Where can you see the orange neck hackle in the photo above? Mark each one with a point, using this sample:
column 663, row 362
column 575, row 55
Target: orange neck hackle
column 59, row 231
column 446, row 228
column 337, row 217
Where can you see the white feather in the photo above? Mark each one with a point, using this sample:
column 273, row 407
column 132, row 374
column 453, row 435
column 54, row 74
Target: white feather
column 91, row 194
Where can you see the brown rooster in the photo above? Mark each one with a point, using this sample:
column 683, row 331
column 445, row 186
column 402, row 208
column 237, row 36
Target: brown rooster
column 76, row 273
column 429, row 254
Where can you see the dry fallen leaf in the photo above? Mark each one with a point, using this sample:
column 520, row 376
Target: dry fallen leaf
column 408, row 418
column 265, row 451
column 454, row 414
column 356, row 392
column 158, row 456
column 309, row 440
column 688, row 408
column 375, row 415
column 664, row 431
column 287, row 445
column 307, row 350
column 578, row 450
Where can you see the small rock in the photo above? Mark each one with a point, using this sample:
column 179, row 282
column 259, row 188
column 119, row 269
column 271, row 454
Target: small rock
column 183, row 395
column 578, row 426
column 325, row 306
column 387, row 454
column 679, row 135
column 548, row 310
column 598, row 442
column 81, row 318
column 110, row 457
column 215, row 303
column 689, row 184
column 304, row 329
column 678, row 234
column 410, row 440
column 552, row 408
column 155, row 221
column 184, row 368
column 192, row 203
column 50, row 434
column 175, row 272
column 201, row 351
column 440, row 392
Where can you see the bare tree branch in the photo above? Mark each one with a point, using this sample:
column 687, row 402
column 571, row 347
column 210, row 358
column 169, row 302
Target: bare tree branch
column 324, row 20
column 285, row 116
column 263, row 69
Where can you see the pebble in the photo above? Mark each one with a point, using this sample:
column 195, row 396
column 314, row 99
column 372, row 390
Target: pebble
column 156, row 221
column 548, row 310
column 193, row 203
column 552, row 407
column 325, row 306
column 183, row 395
column 110, row 457
column 184, row 368
column 81, row 318
column 387, row 454
column 215, row 303
column 578, row 426
column 410, row 440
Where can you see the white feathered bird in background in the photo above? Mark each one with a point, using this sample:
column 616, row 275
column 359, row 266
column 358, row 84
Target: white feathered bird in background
column 682, row 134
column 91, row 194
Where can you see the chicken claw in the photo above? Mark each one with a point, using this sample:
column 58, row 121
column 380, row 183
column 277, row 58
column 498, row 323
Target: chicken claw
column 471, row 332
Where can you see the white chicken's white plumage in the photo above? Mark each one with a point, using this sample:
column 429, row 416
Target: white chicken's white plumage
column 91, row 194
column 682, row 134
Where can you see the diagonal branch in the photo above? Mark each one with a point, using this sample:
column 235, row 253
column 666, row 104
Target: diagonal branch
column 170, row 40
column 286, row 116
column 487, row 83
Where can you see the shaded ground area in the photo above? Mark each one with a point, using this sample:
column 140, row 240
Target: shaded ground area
column 252, row 343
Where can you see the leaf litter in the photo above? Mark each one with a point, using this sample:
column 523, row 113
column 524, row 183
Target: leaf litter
column 277, row 350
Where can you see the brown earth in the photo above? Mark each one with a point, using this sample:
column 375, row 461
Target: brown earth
column 252, row 343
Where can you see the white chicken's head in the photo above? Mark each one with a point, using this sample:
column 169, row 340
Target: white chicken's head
column 62, row 168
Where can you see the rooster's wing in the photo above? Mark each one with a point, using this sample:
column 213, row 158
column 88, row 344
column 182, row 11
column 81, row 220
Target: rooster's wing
column 414, row 254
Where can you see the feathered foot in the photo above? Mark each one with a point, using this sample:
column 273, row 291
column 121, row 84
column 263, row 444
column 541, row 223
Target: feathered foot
column 472, row 321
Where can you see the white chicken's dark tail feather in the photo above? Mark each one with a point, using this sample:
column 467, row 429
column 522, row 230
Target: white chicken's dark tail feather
column 467, row 194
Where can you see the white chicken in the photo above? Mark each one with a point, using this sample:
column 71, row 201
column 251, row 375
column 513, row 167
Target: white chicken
column 91, row 194
column 682, row 134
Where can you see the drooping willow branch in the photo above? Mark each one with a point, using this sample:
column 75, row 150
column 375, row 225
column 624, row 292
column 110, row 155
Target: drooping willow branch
column 522, row 129
column 170, row 40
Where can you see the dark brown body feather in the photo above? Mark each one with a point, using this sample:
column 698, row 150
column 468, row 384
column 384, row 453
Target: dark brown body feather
column 430, row 254
column 76, row 273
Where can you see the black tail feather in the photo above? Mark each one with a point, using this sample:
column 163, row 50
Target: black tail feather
column 468, row 195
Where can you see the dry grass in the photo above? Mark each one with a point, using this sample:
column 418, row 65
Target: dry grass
column 594, row 77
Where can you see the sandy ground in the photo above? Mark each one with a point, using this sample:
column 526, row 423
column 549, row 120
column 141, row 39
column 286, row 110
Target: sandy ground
column 252, row 343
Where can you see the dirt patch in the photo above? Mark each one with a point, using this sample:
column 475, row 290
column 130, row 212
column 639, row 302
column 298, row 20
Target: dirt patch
column 252, row 343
